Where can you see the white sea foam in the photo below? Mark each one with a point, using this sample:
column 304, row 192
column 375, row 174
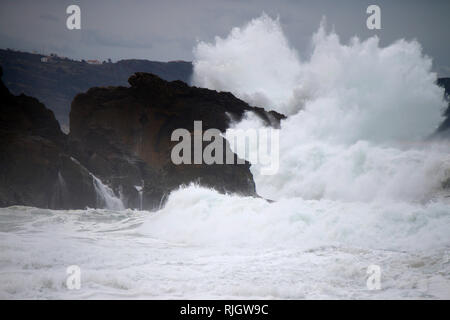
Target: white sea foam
column 206, row 245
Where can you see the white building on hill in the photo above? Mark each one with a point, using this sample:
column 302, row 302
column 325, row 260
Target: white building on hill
column 94, row 62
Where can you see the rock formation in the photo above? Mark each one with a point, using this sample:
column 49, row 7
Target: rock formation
column 444, row 128
column 122, row 134
column 35, row 168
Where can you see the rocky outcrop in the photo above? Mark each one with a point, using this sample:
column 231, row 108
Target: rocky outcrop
column 35, row 168
column 444, row 128
column 123, row 135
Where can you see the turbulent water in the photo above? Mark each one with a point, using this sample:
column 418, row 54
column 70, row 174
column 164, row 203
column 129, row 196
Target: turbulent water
column 360, row 183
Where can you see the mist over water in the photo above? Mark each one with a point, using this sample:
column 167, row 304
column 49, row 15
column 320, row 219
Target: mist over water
column 359, row 183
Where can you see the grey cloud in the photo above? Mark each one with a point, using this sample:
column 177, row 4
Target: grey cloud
column 97, row 38
column 49, row 17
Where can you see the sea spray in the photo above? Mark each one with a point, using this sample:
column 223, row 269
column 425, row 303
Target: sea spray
column 359, row 113
column 140, row 190
column 60, row 193
column 345, row 92
column 199, row 216
column 255, row 63
column 105, row 196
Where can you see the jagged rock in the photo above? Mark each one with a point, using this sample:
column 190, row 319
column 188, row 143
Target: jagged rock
column 122, row 135
column 444, row 128
column 35, row 169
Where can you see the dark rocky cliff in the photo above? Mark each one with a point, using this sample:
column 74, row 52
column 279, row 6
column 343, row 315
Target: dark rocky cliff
column 444, row 128
column 35, row 166
column 119, row 134
column 123, row 135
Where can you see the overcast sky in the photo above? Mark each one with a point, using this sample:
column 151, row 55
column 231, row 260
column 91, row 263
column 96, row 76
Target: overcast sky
column 168, row 30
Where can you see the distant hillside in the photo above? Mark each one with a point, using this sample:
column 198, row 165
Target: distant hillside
column 57, row 81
